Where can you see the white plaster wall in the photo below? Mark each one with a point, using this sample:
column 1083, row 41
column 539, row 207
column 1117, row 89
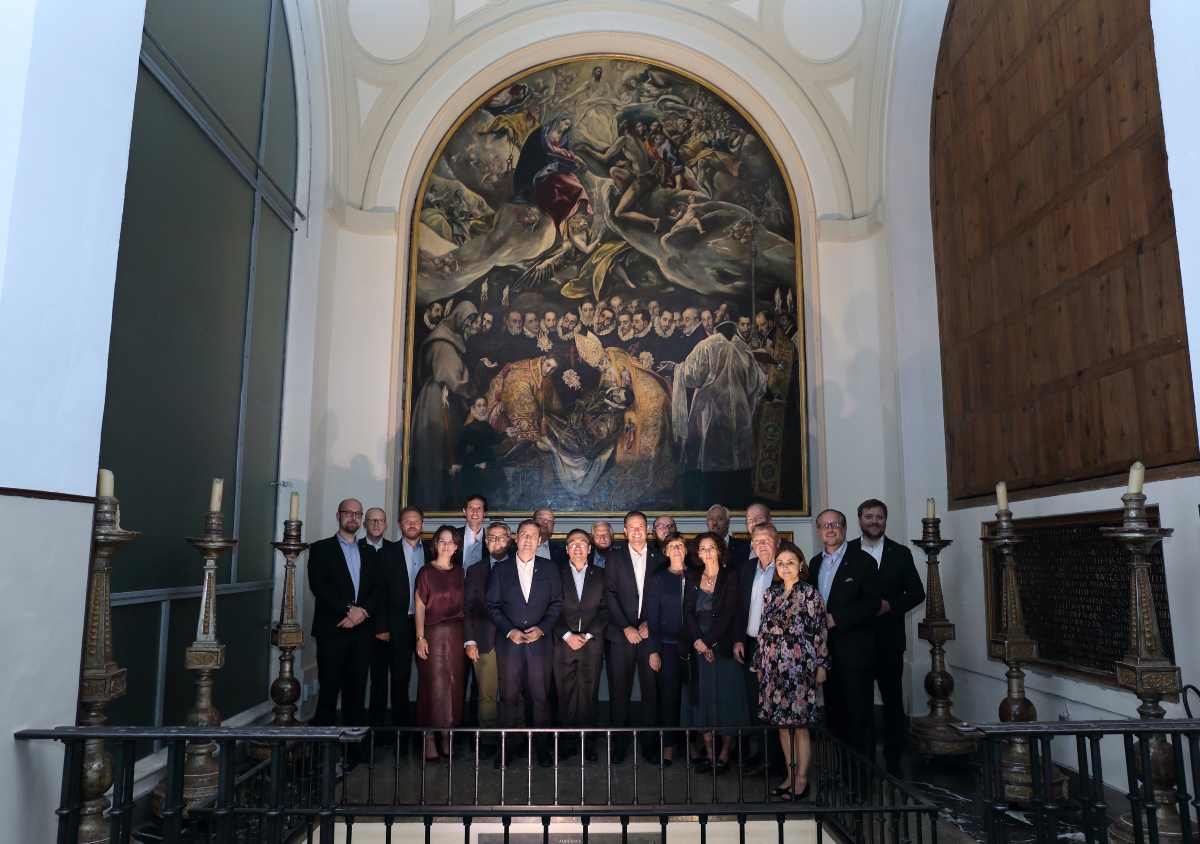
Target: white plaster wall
column 60, row 245
column 73, row 71
column 980, row 682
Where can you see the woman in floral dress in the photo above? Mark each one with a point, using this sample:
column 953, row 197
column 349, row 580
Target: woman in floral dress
column 791, row 661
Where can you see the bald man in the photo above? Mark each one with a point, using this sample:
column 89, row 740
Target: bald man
column 342, row 581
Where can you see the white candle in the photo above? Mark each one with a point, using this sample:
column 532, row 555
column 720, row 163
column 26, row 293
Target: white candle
column 294, row 510
column 104, row 484
column 214, row 497
column 930, row 509
column 1137, row 477
column 1002, row 496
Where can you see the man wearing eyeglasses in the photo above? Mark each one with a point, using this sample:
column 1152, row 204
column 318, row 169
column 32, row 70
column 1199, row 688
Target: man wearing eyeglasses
column 849, row 585
column 579, row 637
column 382, row 555
column 343, row 584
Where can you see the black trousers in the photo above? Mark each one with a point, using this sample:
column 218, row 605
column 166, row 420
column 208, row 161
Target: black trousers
column 576, row 679
column 624, row 660
column 524, row 673
column 391, row 670
column 889, row 671
column 772, row 751
column 343, row 658
column 849, row 704
column 669, row 691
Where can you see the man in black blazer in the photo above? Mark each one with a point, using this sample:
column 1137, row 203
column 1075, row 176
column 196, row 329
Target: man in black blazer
column 579, row 637
column 627, row 573
column 380, row 552
column 901, row 590
column 397, row 564
column 524, row 600
column 342, row 582
column 479, row 631
column 849, row 585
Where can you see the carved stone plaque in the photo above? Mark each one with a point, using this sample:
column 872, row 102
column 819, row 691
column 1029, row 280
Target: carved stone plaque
column 1074, row 585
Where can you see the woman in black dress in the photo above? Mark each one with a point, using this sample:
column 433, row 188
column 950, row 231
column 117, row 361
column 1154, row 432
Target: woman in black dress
column 710, row 614
column 664, row 619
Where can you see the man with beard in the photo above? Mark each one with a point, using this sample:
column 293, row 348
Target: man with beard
column 531, row 326
column 664, row 528
column 764, row 330
column 689, row 333
column 510, row 345
column 480, row 632
column 641, row 333
column 743, row 331
column 433, row 315
column 482, row 345
column 605, row 326
column 901, row 590
column 564, row 339
column 623, row 336
column 343, row 583
column 707, row 322
column 601, row 543
column 663, row 346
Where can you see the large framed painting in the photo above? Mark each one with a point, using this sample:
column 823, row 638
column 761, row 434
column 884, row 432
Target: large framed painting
column 605, row 302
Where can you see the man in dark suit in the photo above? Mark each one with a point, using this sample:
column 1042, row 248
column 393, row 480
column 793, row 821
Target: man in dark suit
column 579, row 637
column 602, row 542
column 381, row 553
column 548, row 548
column 480, row 632
column 395, row 627
column 849, row 585
column 343, row 586
column 901, row 590
column 524, row 600
column 626, row 575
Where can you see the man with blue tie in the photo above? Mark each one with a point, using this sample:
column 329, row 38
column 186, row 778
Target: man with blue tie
column 849, row 585
column 524, row 600
column 345, row 594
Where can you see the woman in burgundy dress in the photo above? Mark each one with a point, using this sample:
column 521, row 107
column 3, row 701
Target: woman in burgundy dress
column 441, row 670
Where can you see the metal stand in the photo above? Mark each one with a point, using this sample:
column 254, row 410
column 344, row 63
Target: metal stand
column 1145, row 669
column 934, row 734
column 287, row 635
column 1013, row 645
column 101, row 681
column 205, row 656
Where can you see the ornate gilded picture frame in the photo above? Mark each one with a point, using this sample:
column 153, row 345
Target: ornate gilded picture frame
column 605, row 302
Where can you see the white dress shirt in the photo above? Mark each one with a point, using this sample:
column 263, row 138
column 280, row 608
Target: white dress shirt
column 875, row 550
column 639, row 573
column 829, row 566
column 762, row 580
column 525, row 576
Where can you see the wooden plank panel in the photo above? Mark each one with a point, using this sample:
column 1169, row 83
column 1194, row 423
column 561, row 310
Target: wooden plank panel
column 1063, row 338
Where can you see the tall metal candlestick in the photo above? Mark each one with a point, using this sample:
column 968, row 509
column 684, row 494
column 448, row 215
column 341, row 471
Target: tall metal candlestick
column 934, row 734
column 204, row 656
column 287, row 635
column 1013, row 645
column 1145, row 669
column 101, row 680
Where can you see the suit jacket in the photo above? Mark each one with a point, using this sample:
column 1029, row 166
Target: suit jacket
column 728, row 627
column 392, row 605
column 745, row 572
column 478, row 626
column 621, row 594
column 900, row 586
column 582, row 616
column 507, row 605
column 737, row 552
column 853, row 603
column 329, row 580
column 558, row 551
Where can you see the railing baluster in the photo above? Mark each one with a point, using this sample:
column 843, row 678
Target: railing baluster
column 1181, row 792
column 1135, row 810
column 275, row 813
column 1148, row 787
column 120, row 820
column 172, row 806
column 72, row 782
column 328, row 786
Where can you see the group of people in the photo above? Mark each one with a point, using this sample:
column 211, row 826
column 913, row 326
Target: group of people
column 720, row 632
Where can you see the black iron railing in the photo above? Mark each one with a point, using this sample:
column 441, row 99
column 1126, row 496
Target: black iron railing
column 313, row 780
column 1067, row 794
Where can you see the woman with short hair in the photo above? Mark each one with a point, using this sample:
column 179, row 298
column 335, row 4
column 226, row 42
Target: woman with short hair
column 441, row 671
